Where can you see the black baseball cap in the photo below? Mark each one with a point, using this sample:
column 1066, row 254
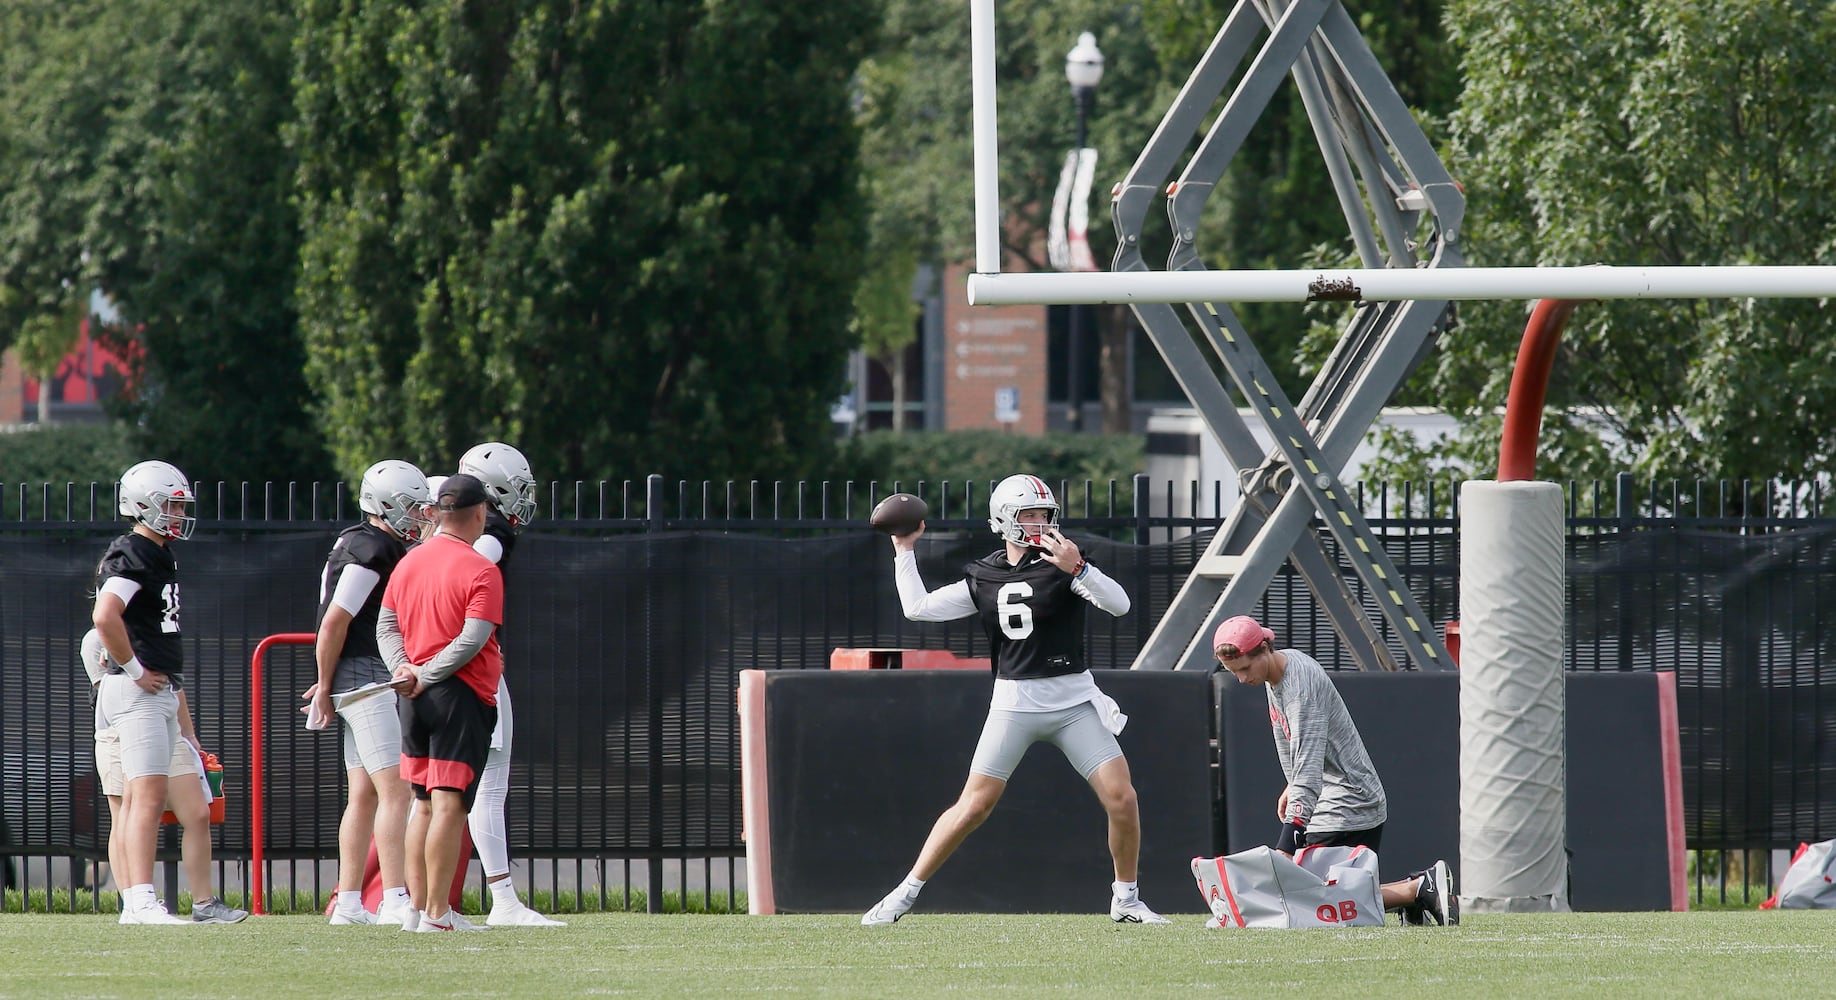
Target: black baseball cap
column 460, row 492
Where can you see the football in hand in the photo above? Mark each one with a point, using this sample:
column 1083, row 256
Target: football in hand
column 899, row 514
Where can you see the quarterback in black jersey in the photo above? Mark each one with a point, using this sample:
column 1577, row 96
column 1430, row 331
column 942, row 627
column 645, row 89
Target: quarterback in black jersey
column 141, row 699
column 397, row 510
column 1030, row 596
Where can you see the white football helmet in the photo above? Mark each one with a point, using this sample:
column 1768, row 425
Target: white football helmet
column 1013, row 495
column 149, row 490
column 397, row 492
column 506, row 477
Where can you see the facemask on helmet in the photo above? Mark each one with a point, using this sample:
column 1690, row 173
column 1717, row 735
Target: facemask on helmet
column 1021, row 493
column 159, row 496
column 397, row 492
column 506, row 477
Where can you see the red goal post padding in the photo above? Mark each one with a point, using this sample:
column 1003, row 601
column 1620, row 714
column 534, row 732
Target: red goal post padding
column 257, row 775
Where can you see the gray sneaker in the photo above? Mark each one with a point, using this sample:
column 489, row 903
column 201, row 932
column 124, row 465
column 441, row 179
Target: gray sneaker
column 216, row 911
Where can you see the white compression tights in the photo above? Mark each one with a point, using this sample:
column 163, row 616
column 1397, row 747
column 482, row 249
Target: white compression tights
column 486, row 819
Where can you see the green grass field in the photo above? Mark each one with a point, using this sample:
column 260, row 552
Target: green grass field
column 1692, row 955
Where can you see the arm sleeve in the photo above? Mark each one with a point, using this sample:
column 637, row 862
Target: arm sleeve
column 942, row 605
column 121, row 587
column 488, row 546
column 1100, row 589
column 457, row 653
column 354, row 586
column 389, row 638
column 1307, row 718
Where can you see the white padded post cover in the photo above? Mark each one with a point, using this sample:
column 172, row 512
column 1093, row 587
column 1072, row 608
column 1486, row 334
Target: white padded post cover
column 1513, row 729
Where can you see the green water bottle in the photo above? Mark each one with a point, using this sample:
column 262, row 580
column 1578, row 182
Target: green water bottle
column 213, row 773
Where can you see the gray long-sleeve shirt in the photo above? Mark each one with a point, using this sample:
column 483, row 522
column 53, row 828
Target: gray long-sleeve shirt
column 1332, row 785
column 470, row 640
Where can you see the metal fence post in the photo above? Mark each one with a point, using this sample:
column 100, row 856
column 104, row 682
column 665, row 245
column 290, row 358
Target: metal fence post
column 1143, row 560
column 653, row 525
column 1625, row 511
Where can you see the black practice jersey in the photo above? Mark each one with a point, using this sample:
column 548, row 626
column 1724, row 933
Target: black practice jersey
column 152, row 617
column 498, row 527
column 376, row 550
column 1035, row 623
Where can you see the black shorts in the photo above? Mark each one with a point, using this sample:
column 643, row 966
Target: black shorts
column 446, row 736
column 1344, row 838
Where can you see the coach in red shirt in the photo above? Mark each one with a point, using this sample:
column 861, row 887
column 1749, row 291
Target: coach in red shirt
column 438, row 630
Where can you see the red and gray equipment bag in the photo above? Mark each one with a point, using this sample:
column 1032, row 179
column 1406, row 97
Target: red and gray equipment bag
column 1319, row 887
column 1808, row 882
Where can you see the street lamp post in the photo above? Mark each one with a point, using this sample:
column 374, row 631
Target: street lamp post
column 1083, row 70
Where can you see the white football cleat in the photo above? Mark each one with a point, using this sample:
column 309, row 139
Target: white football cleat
column 395, row 913
column 339, row 918
column 459, row 921
column 1133, row 911
column 428, row 925
column 151, row 914
column 888, row 911
column 519, row 915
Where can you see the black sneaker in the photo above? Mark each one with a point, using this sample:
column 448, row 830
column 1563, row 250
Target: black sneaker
column 1435, row 902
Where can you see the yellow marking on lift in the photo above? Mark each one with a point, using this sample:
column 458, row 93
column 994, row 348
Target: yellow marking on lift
column 1362, row 547
column 1345, row 518
column 1394, row 596
column 1311, row 467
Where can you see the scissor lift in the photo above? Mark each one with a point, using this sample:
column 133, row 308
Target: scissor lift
column 1404, row 210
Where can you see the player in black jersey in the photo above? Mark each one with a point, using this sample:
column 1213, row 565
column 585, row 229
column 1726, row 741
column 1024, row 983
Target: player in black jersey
column 141, row 695
column 1030, row 596
column 397, row 509
column 510, row 485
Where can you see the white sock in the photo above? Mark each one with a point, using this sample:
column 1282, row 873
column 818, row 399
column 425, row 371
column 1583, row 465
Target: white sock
column 350, row 900
column 140, row 896
column 912, row 885
column 503, row 893
column 396, row 894
column 1125, row 890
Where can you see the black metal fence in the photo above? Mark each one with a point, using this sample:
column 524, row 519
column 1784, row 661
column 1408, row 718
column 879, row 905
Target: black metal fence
column 634, row 606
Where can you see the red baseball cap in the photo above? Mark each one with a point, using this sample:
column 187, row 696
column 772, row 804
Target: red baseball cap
column 1243, row 632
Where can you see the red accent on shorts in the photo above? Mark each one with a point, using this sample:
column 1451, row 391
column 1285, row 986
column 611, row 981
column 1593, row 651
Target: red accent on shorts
column 446, row 774
column 414, row 769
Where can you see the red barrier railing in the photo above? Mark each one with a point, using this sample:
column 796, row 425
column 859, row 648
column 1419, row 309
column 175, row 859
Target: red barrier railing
column 258, row 833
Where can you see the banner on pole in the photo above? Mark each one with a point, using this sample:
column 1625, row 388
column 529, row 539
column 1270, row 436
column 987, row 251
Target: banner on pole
column 1067, row 233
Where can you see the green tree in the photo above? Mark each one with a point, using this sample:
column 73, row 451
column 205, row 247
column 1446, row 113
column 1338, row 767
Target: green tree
column 142, row 155
column 1650, row 132
column 621, row 236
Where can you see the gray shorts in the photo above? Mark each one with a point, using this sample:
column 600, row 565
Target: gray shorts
column 145, row 724
column 1077, row 732
column 372, row 727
